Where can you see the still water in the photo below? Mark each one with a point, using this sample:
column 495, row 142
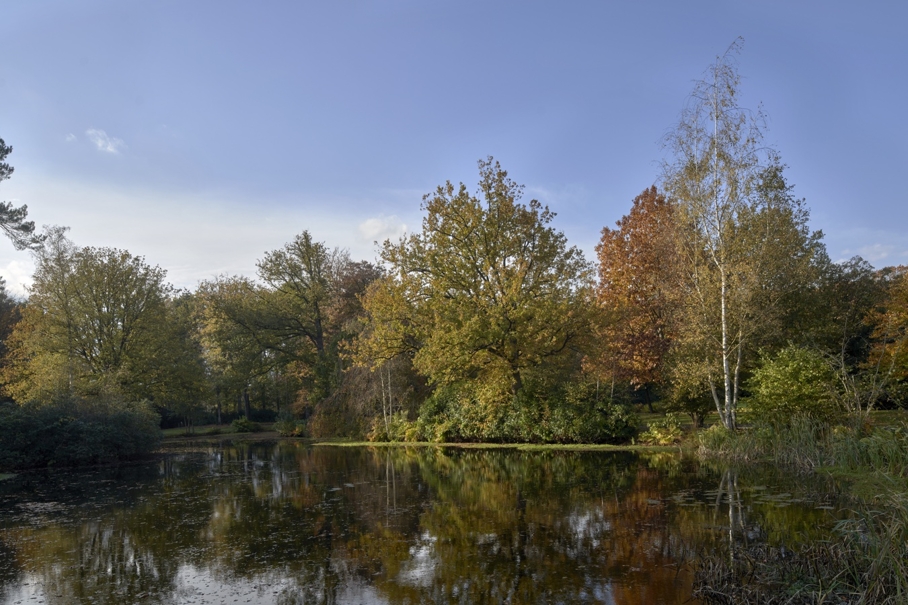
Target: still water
column 290, row 523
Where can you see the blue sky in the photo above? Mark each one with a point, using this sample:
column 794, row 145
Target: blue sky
column 201, row 134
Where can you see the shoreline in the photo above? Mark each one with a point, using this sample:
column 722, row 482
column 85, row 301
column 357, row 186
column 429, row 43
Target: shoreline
column 274, row 436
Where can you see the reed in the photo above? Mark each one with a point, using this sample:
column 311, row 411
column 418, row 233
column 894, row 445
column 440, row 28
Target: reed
column 867, row 559
column 866, row 564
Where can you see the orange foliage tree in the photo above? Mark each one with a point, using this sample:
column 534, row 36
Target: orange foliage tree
column 637, row 293
column 885, row 374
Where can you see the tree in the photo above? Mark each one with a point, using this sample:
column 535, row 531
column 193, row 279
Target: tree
column 745, row 244
column 488, row 292
column 638, row 292
column 291, row 324
column 301, row 276
column 12, row 220
column 10, row 314
column 96, row 325
column 311, row 294
column 228, row 311
column 886, row 370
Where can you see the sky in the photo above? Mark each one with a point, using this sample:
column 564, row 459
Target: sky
column 201, row 134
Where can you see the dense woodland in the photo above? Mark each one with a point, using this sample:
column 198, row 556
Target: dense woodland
column 712, row 294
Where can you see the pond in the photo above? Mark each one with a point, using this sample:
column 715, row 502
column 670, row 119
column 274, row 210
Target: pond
column 290, row 523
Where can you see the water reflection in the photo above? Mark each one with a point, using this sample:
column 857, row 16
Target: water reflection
column 288, row 523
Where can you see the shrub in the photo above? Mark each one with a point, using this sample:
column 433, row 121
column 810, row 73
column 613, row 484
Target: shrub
column 76, row 433
column 571, row 413
column 567, row 413
column 244, row 425
column 693, row 400
column 796, row 382
column 664, row 431
column 288, row 426
column 398, row 428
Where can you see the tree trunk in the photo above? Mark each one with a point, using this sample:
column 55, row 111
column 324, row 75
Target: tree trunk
column 517, row 382
column 726, row 367
column 385, row 401
column 246, row 403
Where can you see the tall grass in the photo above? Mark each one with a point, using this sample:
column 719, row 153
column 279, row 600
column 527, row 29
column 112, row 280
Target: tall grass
column 866, row 561
column 801, row 446
column 805, row 445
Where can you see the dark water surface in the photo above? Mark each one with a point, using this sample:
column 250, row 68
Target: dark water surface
column 290, row 523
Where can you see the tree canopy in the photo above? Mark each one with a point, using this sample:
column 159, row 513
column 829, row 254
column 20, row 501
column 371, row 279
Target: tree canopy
column 638, row 291
column 487, row 291
column 97, row 323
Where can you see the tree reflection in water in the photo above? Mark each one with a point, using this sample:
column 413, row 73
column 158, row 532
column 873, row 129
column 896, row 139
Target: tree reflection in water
column 289, row 523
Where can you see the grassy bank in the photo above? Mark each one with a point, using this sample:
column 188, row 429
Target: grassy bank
column 576, row 447
column 865, row 562
column 215, row 433
column 241, row 427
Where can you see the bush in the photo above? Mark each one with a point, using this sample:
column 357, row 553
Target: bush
column 571, row 413
column 665, row 431
column 243, row 425
column 288, row 426
column 694, row 401
column 796, row 382
column 567, row 413
column 76, row 433
column 398, row 428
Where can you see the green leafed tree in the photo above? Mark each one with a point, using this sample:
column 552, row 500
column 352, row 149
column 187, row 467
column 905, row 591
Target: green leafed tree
column 487, row 293
column 234, row 347
column 288, row 327
column 98, row 323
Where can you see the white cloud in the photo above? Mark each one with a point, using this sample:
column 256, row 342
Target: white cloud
column 382, row 228
column 104, row 142
column 18, row 276
column 70, row 138
column 877, row 246
column 876, row 253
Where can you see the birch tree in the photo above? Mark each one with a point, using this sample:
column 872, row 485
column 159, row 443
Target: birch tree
column 745, row 244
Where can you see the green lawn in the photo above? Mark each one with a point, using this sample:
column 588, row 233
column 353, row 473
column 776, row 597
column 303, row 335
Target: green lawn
column 889, row 417
column 208, row 430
